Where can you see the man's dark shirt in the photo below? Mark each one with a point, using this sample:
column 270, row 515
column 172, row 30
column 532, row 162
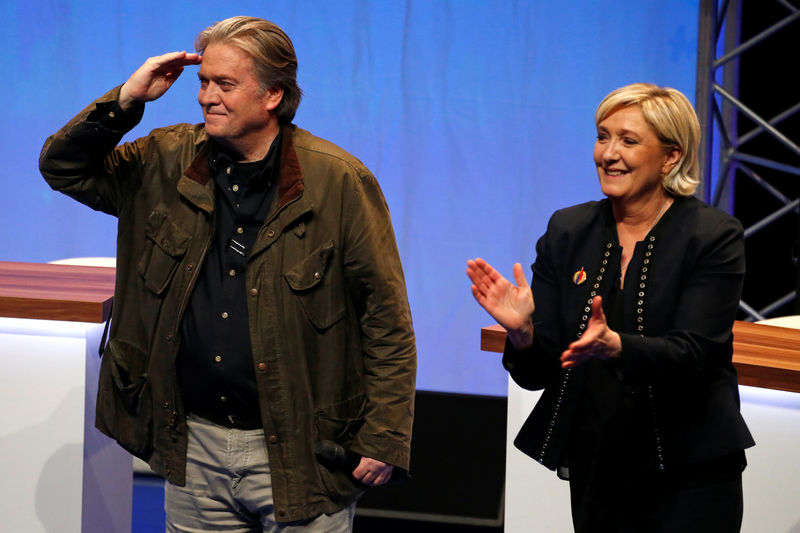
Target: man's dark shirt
column 215, row 362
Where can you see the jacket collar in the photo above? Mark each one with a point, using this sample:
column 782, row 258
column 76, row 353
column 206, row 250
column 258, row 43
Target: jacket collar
column 196, row 184
column 290, row 181
column 292, row 204
column 610, row 224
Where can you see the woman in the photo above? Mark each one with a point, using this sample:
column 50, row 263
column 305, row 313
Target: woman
column 630, row 335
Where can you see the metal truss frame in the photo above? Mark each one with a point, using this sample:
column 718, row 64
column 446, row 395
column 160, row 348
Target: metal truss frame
column 719, row 108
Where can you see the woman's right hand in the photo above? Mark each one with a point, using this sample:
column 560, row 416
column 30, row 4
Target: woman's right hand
column 511, row 305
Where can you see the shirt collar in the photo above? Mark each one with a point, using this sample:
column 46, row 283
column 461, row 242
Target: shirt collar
column 251, row 173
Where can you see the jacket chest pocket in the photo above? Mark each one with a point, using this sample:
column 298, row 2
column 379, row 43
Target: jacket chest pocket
column 164, row 247
column 312, row 281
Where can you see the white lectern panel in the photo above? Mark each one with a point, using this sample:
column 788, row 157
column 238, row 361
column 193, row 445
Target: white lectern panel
column 536, row 500
column 58, row 472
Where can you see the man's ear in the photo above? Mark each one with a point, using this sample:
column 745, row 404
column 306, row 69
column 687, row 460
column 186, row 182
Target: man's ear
column 273, row 97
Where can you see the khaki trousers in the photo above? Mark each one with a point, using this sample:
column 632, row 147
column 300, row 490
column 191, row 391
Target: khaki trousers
column 228, row 487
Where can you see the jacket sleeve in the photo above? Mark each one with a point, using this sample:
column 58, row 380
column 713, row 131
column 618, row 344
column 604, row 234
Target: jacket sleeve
column 82, row 159
column 700, row 336
column 537, row 367
column 376, row 284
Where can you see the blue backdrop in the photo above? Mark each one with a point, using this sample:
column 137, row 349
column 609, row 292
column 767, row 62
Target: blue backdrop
column 476, row 117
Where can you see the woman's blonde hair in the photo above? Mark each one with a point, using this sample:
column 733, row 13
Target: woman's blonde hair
column 673, row 119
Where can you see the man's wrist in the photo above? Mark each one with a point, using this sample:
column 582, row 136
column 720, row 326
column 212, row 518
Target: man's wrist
column 112, row 116
column 126, row 102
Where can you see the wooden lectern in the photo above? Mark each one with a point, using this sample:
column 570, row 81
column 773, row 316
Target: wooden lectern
column 764, row 356
column 59, row 472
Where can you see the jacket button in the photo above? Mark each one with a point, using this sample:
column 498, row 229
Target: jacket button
column 273, row 439
column 189, row 267
column 253, row 292
column 262, row 366
column 271, row 233
column 169, row 337
column 281, row 513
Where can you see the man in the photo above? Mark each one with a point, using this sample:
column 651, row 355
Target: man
column 260, row 305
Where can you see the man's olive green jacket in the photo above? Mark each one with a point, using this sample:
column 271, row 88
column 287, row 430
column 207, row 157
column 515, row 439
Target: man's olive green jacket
column 330, row 326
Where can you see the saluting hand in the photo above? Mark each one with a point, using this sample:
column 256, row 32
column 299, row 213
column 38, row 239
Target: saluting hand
column 598, row 340
column 155, row 77
column 511, row 305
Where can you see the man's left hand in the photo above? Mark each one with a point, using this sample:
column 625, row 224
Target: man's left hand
column 372, row 472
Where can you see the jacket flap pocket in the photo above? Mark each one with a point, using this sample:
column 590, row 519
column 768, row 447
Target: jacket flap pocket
column 317, row 289
column 166, row 234
column 125, row 405
column 310, row 271
column 128, row 370
column 165, row 245
column 341, row 422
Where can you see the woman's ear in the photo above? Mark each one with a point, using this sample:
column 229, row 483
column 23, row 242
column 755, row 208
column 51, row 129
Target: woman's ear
column 674, row 155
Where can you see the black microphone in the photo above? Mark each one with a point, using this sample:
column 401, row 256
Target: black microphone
column 336, row 456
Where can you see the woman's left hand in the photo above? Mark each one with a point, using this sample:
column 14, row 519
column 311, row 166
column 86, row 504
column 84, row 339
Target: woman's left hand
column 597, row 341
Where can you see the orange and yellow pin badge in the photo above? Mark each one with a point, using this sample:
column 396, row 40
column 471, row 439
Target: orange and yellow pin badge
column 579, row 277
